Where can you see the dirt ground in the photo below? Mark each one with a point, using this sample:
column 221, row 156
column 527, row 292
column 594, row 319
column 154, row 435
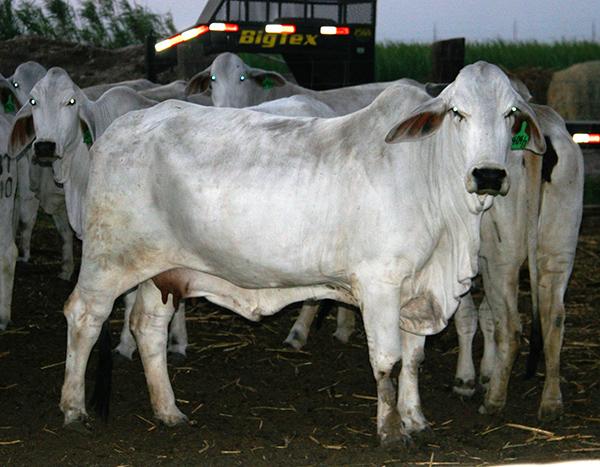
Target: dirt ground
column 256, row 402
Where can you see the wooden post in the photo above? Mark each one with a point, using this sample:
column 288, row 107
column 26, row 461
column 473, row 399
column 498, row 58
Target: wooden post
column 448, row 57
column 150, row 58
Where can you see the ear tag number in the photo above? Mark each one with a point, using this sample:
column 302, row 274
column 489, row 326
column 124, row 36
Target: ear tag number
column 268, row 83
column 9, row 105
column 87, row 137
column 520, row 140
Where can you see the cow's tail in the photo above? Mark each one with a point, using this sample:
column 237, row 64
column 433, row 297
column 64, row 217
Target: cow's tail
column 101, row 396
column 533, row 165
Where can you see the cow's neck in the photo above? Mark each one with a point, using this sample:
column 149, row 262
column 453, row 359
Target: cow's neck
column 76, row 183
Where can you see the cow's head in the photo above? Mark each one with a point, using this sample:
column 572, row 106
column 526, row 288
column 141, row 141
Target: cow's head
column 232, row 83
column 483, row 119
column 55, row 117
column 14, row 90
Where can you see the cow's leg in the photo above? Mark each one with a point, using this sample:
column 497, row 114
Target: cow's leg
column 465, row 321
column 28, row 211
column 501, row 291
column 488, row 361
column 178, row 339
column 127, row 343
column 380, row 307
column 554, row 275
column 346, row 322
column 85, row 312
column 149, row 322
column 409, row 402
column 61, row 221
column 8, row 258
column 299, row 332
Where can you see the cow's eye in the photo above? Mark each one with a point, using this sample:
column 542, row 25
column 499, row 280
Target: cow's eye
column 71, row 101
column 242, row 77
column 32, row 101
column 213, row 78
column 456, row 113
column 513, row 110
column 15, row 84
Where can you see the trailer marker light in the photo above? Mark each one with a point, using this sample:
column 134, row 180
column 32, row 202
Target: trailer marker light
column 179, row 38
column 280, row 29
column 335, row 31
column 587, row 138
column 224, row 27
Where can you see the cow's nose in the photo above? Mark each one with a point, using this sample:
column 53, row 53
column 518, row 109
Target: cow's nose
column 44, row 149
column 489, row 181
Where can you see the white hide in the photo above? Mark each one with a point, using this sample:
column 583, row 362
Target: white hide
column 174, row 90
column 232, row 83
column 94, row 92
column 254, row 212
column 8, row 249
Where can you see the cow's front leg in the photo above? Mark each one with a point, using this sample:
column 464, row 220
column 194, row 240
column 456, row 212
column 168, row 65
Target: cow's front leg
column 465, row 321
column 178, row 338
column 149, row 322
column 409, row 402
column 380, row 305
column 346, row 322
column 85, row 312
column 8, row 259
column 488, row 361
column 299, row 333
column 28, row 211
column 61, row 221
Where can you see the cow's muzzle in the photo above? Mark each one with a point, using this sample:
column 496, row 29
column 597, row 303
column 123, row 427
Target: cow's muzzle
column 488, row 181
column 44, row 153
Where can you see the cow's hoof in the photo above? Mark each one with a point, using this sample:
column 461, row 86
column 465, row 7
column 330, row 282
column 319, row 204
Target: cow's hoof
column 393, row 433
column 176, row 358
column 295, row 340
column 550, row 410
column 4, row 324
column 174, row 419
column 83, row 427
column 464, row 388
column 491, row 408
column 122, row 357
column 23, row 259
column 343, row 335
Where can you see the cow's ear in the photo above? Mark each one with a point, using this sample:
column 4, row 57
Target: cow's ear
column 266, row 79
column 199, row 83
column 422, row 122
column 22, row 133
column 86, row 120
column 526, row 131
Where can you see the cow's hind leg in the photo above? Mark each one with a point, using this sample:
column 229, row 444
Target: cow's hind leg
column 465, row 321
column 488, row 361
column 85, row 312
column 149, row 322
column 8, row 258
column 346, row 322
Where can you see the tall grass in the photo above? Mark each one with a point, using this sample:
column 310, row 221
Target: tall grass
column 104, row 23
column 398, row 60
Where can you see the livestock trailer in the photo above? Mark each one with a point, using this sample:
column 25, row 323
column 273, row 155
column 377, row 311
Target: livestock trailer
column 325, row 43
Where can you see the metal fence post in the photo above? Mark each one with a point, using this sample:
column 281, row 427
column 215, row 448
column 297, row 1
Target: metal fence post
column 448, row 57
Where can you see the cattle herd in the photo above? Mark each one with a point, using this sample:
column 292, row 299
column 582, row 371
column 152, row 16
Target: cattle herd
column 254, row 193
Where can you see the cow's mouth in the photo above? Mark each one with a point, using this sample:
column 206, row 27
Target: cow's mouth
column 44, row 161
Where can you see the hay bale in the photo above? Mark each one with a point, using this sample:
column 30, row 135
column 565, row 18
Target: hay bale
column 575, row 91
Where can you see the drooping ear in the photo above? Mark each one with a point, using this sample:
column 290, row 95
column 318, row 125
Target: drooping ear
column 435, row 89
column 87, row 122
column 199, row 83
column 422, row 122
column 266, row 79
column 526, row 123
column 22, row 133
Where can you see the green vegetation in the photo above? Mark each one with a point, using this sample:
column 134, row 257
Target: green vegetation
column 103, row 23
column 399, row 60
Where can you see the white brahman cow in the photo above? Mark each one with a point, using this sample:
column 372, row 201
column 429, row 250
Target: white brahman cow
column 8, row 215
column 94, row 92
column 64, row 122
column 503, row 250
column 36, row 185
column 255, row 211
column 232, row 83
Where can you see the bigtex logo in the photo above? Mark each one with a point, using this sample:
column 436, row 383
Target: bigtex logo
column 251, row 36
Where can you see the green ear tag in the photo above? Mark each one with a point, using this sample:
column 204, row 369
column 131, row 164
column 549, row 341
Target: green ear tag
column 268, row 83
column 87, row 137
column 9, row 105
column 521, row 139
